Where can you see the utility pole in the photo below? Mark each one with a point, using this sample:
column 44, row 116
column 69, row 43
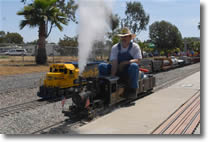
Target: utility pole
column 53, row 54
column 185, row 46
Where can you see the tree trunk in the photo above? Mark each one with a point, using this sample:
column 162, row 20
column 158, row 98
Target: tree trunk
column 41, row 57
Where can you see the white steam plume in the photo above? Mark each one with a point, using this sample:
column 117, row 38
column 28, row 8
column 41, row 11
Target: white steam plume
column 93, row 25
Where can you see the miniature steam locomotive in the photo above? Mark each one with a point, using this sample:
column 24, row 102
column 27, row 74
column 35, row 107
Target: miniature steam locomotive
column 101, row 92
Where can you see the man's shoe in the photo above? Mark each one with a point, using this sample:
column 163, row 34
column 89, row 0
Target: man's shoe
column 130, row 93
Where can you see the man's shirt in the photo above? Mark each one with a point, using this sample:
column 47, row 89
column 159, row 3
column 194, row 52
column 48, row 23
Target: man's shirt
column 135, row 51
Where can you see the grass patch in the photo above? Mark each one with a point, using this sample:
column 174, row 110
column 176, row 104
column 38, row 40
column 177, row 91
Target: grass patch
column 4, row 57
column 13, row 70
column 12, row 65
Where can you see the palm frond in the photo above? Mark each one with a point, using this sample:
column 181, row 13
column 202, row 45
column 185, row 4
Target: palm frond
column 42, row 11
column 58, row 26
column 23, row 23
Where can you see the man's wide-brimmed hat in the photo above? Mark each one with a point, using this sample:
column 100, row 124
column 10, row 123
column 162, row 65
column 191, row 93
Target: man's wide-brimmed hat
column 126, row 32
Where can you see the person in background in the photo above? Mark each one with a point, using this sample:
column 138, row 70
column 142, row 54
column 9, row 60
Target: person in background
column 125, row 57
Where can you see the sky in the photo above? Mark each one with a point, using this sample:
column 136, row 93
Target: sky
column 184, row 14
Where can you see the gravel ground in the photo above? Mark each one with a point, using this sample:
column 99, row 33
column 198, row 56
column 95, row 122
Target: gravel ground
column 32, row 120
column 169, row 75
column 10, row 83
column 18, row 96
column 19, row 89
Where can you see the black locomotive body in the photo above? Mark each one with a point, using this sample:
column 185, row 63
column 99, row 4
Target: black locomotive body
column 103, row 92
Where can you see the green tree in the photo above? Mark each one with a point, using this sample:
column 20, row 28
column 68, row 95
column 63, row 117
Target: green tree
column 193, row 43
column 68, row 46
column 2, row 33
column 68, row 41
column 145, row 46
column 115, row 39
column 33, row 42
column 114, row 20
column 136, row 18
column 165, row 36
column 39, row 14
column 196, row 46
column 2, row 36
column 13, row 38
column 68, row 7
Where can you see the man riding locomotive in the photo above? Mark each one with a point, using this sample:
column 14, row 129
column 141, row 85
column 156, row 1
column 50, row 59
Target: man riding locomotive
column 125, row 57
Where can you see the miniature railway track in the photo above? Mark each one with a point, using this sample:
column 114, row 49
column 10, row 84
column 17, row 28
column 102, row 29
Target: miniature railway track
column 41, row 131
column 61, row 124
column 25, row 106
column 184, row 120
column 21, row 107
column 172, row 81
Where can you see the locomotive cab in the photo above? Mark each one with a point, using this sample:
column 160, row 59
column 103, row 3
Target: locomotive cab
column 60, row 75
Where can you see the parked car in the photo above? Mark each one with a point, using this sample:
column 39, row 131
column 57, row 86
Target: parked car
column 16, row 52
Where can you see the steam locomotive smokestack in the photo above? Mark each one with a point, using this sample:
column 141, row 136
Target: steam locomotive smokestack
column 93, row 25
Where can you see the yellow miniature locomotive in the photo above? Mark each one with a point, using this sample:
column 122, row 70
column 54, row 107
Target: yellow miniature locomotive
column 63, row 77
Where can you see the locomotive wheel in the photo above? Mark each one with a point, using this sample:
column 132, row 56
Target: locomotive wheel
column 91, row 114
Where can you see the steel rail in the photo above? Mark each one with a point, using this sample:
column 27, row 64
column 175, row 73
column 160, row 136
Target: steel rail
column 186, row 109
column 184, row 119
column 25, row 106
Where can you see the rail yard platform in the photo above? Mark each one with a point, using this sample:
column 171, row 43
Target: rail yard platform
column 167, row 111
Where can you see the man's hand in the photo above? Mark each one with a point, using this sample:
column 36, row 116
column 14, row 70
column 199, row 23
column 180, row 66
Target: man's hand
column 122, row 65
column 135, row 61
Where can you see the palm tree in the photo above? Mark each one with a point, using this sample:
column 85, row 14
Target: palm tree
column 39, row 14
